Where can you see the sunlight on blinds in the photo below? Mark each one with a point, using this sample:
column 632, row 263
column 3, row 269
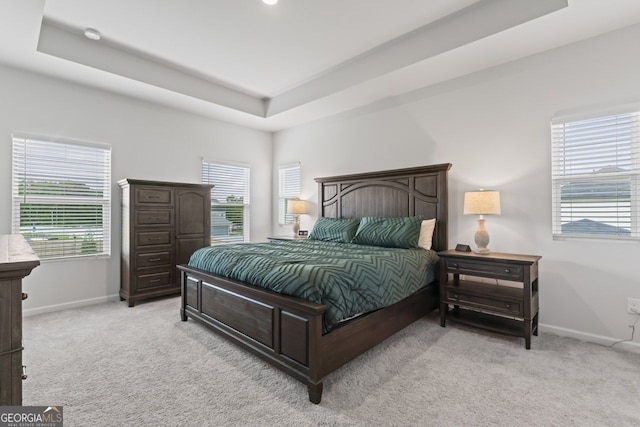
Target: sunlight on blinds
column 229, row 201
column 61, row 195
column 288, row 188
column 595, row 167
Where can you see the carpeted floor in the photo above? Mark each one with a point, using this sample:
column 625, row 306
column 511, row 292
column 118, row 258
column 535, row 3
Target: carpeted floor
column 110, row 365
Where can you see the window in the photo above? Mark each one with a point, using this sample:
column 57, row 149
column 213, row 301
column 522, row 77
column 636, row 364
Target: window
column 595, row 167
column 62, row 196
column 289, row 188
column 229, row 201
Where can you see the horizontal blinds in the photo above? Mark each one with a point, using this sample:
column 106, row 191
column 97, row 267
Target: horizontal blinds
column 595, row 167
column 289, row 188
column 230, row 201
column 61, row 194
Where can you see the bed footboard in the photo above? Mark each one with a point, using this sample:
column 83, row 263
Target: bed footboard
column 284, row 331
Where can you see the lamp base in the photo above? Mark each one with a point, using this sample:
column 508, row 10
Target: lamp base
column 296, row 226
column 482, row 251
column 481, row 238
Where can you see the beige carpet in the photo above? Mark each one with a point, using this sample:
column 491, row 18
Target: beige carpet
column 110, row 365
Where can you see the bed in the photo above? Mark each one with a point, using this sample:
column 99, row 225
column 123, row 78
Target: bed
column 289, row 332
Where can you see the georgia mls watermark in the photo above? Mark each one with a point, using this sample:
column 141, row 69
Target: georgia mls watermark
column 31, row 416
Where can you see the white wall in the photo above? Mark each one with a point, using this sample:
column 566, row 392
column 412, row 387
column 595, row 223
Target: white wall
column 148, row 142
column 493, row 126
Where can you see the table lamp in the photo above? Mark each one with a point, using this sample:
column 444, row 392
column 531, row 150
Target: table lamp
column 296, row 207
column 482, row 202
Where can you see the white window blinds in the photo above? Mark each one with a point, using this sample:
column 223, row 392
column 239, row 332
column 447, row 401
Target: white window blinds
column 595, row 167
column 229, row 201
column 289, row 188
column 61, row 195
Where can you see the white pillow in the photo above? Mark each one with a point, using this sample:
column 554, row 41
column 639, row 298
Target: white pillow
column 426, row 233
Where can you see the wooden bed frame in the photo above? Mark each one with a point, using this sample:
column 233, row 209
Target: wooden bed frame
column 286, row 331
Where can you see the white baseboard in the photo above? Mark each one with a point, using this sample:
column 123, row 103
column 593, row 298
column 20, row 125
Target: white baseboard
column 563, row 332
column 592, row 338
column 67, row 305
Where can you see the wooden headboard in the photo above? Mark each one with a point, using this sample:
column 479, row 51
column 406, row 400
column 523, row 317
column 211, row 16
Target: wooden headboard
column 420, row 191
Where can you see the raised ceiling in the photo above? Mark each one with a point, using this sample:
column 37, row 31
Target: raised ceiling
column 273, row 67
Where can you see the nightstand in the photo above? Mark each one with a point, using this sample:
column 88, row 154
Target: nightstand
column 272, row 238
column 511, row 309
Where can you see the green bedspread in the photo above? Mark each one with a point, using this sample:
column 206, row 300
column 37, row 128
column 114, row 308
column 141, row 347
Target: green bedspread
column 349, row 279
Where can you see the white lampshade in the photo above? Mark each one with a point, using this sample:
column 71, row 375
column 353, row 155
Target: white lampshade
column 482, row 202
column 297, row 207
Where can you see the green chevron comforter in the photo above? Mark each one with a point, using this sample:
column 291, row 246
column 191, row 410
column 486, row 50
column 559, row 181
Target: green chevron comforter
column 349, row 279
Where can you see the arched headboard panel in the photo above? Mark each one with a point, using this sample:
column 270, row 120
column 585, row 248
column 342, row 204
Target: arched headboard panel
column 420, row 191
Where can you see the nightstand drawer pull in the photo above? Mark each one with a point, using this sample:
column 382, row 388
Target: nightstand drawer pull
column 506, row 270
column 507, row 305
column 155, row 259
column 455, row 265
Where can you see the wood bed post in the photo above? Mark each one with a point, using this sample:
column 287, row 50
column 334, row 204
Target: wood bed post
column 315, row 392
column 183, row 302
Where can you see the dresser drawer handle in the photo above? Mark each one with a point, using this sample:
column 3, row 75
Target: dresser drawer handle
column 506, row 270
column 24, row 372
column 153, row 197
column 154, row 238
column 155, row 259
column 455, row 296
column 25, row 296
column 155, row 280
column 508, row 305
column 455, row 265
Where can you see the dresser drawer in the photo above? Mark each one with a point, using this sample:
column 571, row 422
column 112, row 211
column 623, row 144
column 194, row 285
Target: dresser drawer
column 158, row 196
column 510, row 307
column 153, row 280
column 152, row 238
column 497, row 270
column 154, row 217
column 153, row 259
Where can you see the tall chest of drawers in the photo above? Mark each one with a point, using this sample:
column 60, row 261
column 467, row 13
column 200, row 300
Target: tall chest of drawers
column 163, row 223
column 17, row 260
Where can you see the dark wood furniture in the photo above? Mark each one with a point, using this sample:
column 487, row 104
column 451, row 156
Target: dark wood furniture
column 507, row 309
column 163, row 223
column 287, row 331
column 17, row 260
column 285, row 238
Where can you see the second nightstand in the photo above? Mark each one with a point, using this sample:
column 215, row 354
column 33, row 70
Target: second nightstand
column 272, row 238
column 506, row 309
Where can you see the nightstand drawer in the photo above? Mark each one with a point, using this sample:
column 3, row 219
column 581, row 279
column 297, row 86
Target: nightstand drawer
column 497, row 270
column 514, row 308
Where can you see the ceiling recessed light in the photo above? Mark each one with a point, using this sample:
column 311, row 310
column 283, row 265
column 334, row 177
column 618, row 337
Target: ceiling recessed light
column 92, row 34
column 270, row 2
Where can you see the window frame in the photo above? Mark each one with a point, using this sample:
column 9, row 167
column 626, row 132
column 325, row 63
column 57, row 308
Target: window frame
column 595, row 156
column 219, row 189
column 285, row 194
column 55, row 244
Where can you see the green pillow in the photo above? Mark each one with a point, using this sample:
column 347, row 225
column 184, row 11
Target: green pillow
column 389, row 232
column 334, row 230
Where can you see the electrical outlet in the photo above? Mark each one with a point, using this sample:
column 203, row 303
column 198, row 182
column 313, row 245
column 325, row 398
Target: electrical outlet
column 633, row 305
